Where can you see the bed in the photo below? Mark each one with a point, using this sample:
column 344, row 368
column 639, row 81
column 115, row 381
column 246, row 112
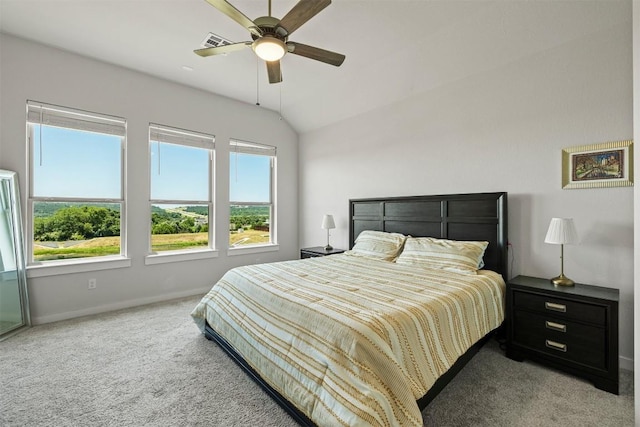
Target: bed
column 346, row 339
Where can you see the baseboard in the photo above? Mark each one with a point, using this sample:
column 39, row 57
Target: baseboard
column 626, row 363
column 117, row 306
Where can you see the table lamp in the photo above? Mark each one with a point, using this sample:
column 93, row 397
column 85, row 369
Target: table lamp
column 328, row 224
column 561, row 232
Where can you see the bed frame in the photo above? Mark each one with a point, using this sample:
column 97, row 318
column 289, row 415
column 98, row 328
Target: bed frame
column 477, row 216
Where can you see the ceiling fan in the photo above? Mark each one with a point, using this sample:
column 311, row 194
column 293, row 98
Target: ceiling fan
column 270, row 36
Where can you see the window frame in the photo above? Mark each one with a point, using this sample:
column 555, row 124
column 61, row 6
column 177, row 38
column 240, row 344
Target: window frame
column 245, row 147
column 38, row 114
column 163, row 134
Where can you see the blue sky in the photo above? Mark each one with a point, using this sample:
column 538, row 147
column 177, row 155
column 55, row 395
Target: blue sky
column 181, row 174
column 251, row 182
column 75, row 164
column 84, row 164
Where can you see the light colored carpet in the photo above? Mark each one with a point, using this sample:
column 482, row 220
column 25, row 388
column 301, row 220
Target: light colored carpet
column 150, row 366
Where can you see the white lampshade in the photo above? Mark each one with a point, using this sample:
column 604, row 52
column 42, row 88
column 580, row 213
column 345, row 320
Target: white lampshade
column 561, row 231
column 269, row 48
column 327, row 222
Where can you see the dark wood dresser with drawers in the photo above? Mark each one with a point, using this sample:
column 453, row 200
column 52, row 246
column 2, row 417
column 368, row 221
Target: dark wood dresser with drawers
column 571, row 328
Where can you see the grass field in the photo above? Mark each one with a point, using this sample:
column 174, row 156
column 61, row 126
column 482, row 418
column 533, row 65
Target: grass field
column 101, row 246
column 46, row 251
column 248, row 237
column 175, row 242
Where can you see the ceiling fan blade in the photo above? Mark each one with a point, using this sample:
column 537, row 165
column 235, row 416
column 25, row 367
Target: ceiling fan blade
column 316, row 53
column 274, row 72
column 301, row 13
column 233, row 13
column 219, row 50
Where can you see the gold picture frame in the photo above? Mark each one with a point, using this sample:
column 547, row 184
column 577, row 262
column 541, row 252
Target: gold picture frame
column 609, row 164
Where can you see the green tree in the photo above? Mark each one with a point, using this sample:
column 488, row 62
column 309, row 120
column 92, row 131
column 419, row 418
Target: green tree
column 187, row 225
column 164, row 227
column 78, row 223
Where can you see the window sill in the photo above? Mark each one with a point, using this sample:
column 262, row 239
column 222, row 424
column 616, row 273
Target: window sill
column 77, row 266
column 252, row 249
column 179, row 256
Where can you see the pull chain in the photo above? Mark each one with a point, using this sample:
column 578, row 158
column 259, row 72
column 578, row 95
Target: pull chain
column 280, row 107
column 257, row 82
column 40, row 136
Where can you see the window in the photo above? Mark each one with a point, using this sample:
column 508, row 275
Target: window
column 76, row 200
column 251, row 196
column 181, row 173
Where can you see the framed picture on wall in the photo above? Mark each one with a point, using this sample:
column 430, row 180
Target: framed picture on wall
column 609, row 164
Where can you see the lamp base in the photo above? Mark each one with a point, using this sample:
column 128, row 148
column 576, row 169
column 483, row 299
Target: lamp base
column 562, row 280
column 328, row 248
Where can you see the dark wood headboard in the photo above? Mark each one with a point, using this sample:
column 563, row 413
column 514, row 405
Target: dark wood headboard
column 477, row 216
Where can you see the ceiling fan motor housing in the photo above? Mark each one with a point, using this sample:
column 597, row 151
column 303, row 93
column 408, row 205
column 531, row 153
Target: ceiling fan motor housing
column 271, row 45
column 269, row 27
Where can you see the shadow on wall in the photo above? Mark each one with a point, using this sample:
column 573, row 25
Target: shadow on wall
column 520, row 214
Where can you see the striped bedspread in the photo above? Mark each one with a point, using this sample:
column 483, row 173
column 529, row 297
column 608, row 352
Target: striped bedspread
column 348, row 340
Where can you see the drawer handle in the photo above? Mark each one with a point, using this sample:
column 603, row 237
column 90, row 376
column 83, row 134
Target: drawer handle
column 555, row 326
column 556, row 345
column 555, row 307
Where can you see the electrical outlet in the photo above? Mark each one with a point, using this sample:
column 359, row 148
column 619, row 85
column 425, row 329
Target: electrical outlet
column 92, row 283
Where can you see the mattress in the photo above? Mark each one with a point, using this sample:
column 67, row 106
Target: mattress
column 350, row 340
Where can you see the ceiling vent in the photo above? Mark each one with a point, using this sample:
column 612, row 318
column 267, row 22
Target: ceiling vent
column 214, row 40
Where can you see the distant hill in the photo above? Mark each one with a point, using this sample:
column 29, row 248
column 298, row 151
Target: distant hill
column 249, row 210
column 48, row 209
column 200, row 210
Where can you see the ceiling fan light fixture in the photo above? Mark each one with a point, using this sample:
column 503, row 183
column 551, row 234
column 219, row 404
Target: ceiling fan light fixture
column 269, row 48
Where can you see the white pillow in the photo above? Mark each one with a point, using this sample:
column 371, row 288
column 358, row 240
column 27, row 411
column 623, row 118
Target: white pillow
column 378, row 245
column 451, row 255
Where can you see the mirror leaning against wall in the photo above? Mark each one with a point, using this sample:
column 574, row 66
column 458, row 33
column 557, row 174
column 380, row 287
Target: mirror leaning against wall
column 14, row 302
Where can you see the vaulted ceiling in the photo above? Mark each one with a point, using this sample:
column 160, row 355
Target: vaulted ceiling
column 394, row 48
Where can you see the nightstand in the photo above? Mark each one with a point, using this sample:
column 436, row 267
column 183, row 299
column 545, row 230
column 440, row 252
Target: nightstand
column 571, row 328
column 318, row 251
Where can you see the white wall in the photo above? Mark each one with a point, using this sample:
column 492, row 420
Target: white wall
column 499, row 130
column 33, row 71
